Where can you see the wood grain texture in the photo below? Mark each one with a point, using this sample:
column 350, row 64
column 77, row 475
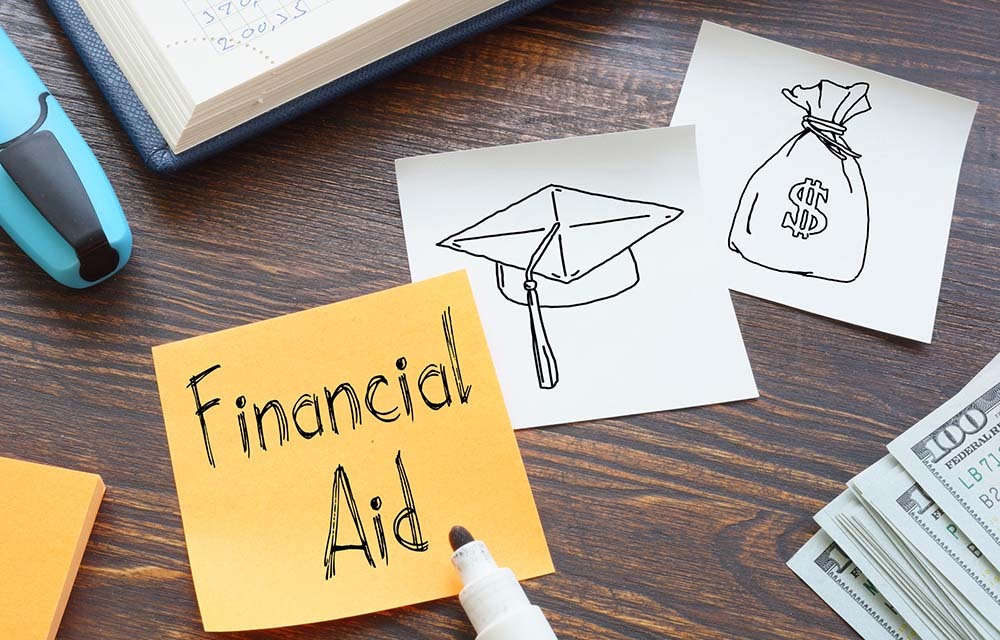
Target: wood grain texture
column 666, row 525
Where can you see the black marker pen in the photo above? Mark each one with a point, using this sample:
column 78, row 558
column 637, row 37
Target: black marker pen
column 492, row 598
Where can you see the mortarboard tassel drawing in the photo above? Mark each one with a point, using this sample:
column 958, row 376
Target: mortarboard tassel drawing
column 562, row 247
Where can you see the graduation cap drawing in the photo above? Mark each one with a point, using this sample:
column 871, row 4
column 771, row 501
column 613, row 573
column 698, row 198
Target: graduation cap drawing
column 562, row 247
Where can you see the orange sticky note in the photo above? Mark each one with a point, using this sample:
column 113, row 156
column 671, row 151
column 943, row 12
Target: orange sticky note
column 46, row 515
column 321, row 458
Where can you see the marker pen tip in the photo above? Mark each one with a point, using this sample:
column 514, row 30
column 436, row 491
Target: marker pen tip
column 459, row 537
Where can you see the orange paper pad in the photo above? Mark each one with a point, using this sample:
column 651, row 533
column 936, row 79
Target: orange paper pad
column 46, row 515
column 321, row 458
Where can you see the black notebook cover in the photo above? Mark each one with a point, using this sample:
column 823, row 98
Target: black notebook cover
column 150, row 143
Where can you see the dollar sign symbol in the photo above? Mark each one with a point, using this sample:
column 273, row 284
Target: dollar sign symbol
column 807, row 220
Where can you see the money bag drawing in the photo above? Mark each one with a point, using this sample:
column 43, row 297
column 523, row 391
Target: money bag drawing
column 805, row 210
column 562, row 247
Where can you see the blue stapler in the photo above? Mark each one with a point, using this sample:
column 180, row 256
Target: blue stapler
column 55, row 201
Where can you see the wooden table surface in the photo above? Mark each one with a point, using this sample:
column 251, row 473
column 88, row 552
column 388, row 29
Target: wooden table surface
column 671, row 525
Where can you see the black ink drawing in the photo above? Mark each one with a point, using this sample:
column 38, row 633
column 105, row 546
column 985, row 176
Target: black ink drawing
column 316, row 411
column 562, row 247
column 805, row 210
column 406, row 518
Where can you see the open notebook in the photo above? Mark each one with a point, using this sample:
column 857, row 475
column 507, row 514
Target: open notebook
column 202, row 68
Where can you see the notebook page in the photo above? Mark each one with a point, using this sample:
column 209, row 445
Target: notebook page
column 215, row 45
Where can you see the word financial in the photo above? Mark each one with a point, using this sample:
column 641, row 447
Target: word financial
column 307, row 412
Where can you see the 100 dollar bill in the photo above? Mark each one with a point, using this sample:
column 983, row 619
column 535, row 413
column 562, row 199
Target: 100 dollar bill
column 954, row 455
column 830, row 573
column 905, row 597
column 900, row 501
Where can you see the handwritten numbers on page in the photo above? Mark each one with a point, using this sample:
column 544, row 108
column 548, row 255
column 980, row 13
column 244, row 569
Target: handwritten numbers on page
column 229, row 23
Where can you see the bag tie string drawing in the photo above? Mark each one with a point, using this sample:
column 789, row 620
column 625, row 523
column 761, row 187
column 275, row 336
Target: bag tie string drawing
column 804, row 211
column 830, row 134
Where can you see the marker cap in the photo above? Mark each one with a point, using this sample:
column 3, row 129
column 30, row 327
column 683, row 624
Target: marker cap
column 494, row 600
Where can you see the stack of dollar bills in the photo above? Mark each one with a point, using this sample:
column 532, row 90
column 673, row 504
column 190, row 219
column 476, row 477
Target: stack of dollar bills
column 911, row 548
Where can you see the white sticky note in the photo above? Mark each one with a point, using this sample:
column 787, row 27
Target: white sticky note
column 591, row 265
column 831, row 186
